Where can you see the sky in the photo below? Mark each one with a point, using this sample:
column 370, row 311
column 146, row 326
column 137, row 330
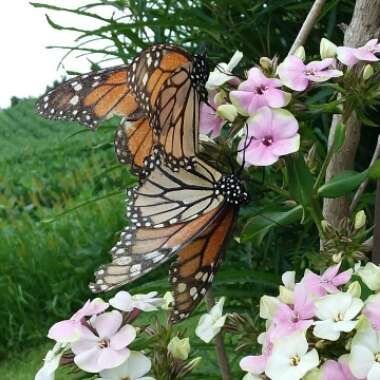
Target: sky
column 26, row 66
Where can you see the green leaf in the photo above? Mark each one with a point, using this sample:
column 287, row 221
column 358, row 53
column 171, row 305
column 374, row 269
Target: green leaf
column 300, row 180
column 342, row 184
column 258, row 226
column 374, row 170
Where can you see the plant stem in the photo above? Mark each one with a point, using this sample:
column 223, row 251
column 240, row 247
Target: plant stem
column 307, row 26
column 364, row 184
column 376, row 233
column 219, row 344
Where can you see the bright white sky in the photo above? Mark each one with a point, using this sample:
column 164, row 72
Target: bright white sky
column 26, row 66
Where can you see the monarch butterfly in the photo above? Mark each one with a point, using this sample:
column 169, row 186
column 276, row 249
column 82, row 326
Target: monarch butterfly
column 130, row 91
column 189, row 212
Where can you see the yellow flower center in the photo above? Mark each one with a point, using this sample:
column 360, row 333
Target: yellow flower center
column 295, row 360
column 377, row 357
column 339, row 317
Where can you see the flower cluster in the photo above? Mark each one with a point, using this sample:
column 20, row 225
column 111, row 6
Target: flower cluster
column 261, row 103
column 99, row 340
column 321, row 328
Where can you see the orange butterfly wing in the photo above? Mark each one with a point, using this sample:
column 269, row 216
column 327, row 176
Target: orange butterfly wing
column 193, row 272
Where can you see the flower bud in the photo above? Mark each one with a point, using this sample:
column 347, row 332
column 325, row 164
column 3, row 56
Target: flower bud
column 355, row 289
column 327, row 49
column 227, row 111
column 368, row 72
column 286, row 295
column 370, row 275
column 220, row 98
column 300, row 53
column 168, row 301
column 268, row 306
column 337, row 257
column 193, row 363
column 326, row 226
column 266, row 63
column 315, row 374
column 179, row 348
column 360, row 220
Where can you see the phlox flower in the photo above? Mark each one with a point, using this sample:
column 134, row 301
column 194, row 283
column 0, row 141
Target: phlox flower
column 297, row 76
column 298, row 317
column 336, row 313
column 351, row 56
column 364, row 359
column 290, row 358
column 126, row 302
column 268, row 307
column 255, row 364
column 337, row 370
column 223, row 72
column 105, row 345
column 51, row 362
column 259, row 91
column 328, row 282
column 210, row 122
column 134, row 368
column 372, row 310
column 70, row 330
column 271, row 133
column 210, row 324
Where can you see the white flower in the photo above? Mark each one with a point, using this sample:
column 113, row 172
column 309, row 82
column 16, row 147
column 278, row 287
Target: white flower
column 327, row 49
column 290, row 359
column 364, row 359
column 336, row 313
column 268, row 307
column 179, row 348
column 145, row 302
column 251, row 376
column 210, row 324
column 223, row 72
column 51, row 362
column 136, row 366
column 370, row 275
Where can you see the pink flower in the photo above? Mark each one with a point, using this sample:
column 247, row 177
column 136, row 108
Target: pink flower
column 326, row 283
column 259, row 91
column 210, row 122
column 296, row 75
column 299, row 317
column 70, row 330
column 333, row 370
column 255, row 364
column 271, row 133
column 104, row 346
column 351, row 56
column 372, row 311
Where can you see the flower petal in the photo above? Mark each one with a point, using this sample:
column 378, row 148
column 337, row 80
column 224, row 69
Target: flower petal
column 292, row 73
column 109, row 358
column 122, row 301
column 88, row 360
column 108, row 323
column 123, row 337
column 253, row 364
column 276, row 98
column 284, row 124
column 346, row 56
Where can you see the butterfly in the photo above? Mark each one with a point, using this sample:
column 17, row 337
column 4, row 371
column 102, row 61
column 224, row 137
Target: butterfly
column 188, row 212
column 135, row 92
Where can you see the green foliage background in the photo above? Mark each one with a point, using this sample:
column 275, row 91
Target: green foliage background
column 62, row 191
